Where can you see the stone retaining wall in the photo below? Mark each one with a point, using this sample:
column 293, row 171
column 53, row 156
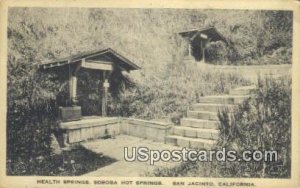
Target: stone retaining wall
column 99, row 127
column 151, row 130
column 82, row 130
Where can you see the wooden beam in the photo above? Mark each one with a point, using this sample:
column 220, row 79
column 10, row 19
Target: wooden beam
column 77, row 68
column 104, row 94
column 73, row 89
column 55, row 64
column 202, row 51
column 190, row 48
column 203, row 48
column 91, row 56
column 98, row 65
column 106, row 62
column 204, row 36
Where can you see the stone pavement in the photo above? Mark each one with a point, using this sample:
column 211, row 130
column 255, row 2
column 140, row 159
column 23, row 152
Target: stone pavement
column 114, row 148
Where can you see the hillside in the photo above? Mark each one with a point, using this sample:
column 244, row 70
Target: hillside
column 148, row 36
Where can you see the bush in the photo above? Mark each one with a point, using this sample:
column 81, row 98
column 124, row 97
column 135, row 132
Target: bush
column 279, row 56
column 216, row 53
column 262, row 123
column 31, row 113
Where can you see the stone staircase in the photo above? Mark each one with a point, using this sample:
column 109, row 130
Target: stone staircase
column 200, row 128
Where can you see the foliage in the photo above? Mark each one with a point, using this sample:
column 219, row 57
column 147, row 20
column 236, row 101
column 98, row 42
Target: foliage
column 281, row 55
column 252, row 34
column 164, row 96
column 89, row 92
column 264, row 123
column 216, row 53
column 32, row 112
column 90, row 89
column 177, row 171
column 34, row 36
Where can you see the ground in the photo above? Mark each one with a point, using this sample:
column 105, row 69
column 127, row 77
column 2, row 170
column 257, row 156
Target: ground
column 114, row 148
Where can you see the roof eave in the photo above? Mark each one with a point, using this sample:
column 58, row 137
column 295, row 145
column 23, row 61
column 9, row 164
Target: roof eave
column 124, row 59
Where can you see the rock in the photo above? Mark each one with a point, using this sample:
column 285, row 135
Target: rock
column 175, row 117
column 55, row 146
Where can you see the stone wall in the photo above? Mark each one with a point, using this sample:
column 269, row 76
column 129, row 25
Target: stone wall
column 86, row 129
column 151, row 130
column 100, row 127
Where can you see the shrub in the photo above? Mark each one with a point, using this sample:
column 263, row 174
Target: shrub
column 31, row 112
column 279, row 56
column 262, row 122
column 216, row 53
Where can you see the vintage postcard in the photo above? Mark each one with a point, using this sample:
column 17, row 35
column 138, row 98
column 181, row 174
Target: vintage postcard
column 150, row 93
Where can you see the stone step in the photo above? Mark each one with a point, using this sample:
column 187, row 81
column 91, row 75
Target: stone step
column 223, row 99
column 212, row 107
column 199, row 123
column 190, row 132
column 202, row 115
column 246, row 90
column 189, row 142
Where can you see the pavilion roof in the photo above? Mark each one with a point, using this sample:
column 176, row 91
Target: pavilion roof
column 119, row 59
column 211, row 32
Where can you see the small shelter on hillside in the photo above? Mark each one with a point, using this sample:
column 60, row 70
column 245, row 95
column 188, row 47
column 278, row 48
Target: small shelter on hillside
column 102, row 61
column 197, row 39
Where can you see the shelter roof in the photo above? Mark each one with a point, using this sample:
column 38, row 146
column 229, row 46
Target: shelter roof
column 109, row 53
column 211, row 32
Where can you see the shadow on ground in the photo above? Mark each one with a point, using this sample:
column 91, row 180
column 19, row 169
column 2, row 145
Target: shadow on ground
column 74, row 162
